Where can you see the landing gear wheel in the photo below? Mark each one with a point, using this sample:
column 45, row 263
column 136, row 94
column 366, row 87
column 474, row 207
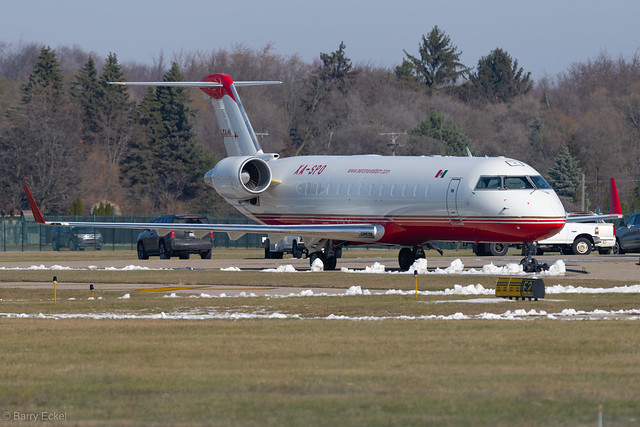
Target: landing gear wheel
column 316, row 255
column 142, row 254
column 406, row 258
column 581, row 246
column 529, row 263
column 330, row 263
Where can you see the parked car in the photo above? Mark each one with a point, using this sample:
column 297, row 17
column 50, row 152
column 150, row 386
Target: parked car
column 628, row 236
column 180, row 243
column 75, row 238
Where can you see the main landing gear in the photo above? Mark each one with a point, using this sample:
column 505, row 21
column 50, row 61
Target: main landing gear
column 328, row 254
column 529, row 263
column 408, row 256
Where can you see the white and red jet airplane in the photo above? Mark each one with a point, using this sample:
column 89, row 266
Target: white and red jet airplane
column 332, row 201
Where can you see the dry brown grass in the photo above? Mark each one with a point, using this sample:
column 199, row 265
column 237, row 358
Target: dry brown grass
column 312, row 370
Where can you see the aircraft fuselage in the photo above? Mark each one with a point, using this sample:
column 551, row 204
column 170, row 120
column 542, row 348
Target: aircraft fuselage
column 415, row 199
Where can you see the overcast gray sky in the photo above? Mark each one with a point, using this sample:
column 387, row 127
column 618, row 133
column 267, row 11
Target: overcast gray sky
column 545, row 36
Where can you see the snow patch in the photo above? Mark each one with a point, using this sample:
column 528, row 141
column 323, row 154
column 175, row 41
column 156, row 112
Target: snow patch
column 282, row 269
column 317, row 265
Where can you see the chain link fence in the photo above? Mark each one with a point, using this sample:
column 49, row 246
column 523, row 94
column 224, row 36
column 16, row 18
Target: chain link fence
column 20, row 234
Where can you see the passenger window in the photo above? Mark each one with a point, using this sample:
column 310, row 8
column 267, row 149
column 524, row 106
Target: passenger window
column 488, row 183
column 516, row 183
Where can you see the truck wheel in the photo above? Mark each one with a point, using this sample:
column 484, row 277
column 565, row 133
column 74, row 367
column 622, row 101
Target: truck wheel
column 142, row 254
column 480, row 249
column 294, row 249
column 498, row 249
column 581, row 246
column 164, row 252
column 267, row 249
column 617, row 250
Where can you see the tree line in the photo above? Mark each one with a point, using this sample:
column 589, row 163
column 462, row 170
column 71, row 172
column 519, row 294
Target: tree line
column 72, row 136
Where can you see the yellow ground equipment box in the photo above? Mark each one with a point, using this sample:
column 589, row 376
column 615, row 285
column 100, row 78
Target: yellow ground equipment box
column 511, row 287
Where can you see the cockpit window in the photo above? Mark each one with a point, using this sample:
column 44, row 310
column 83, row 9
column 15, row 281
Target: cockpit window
column 539, row 182
column 511, row 183
column 489, row 182
column 516, row 183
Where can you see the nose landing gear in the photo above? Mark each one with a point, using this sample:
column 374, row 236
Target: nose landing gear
column 529, row 263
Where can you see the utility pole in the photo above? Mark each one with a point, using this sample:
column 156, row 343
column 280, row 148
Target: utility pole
column 583, row 192
column 394, row 136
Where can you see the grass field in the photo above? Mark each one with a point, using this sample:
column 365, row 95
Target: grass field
column 310, row 370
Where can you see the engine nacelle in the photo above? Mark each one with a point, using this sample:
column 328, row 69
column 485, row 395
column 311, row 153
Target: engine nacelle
column 239, row 177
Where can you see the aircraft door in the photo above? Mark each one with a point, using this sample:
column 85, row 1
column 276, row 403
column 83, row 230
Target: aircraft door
column 452, row 201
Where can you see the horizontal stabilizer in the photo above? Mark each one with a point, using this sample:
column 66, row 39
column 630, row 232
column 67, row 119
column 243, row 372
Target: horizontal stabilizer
column 195, row 84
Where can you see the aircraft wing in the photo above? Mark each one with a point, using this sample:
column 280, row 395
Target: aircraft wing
column 366, row 233
column 615, row 210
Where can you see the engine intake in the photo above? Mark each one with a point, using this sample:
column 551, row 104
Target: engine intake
column 239, row 177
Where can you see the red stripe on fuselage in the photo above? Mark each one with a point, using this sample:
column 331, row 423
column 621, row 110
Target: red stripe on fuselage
column 417, row 230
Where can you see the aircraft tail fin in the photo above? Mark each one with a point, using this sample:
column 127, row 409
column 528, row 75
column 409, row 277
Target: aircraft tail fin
column 614, row 199
column 615, row 210
column 237, row 132
column 34, row 207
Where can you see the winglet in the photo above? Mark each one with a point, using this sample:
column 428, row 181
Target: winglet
column 34, row 208
column 614, row 200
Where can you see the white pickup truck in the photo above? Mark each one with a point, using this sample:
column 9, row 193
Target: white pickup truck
column 580, row 238
column 577, row 238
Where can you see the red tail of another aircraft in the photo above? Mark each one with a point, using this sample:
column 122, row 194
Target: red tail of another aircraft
column 614, row 200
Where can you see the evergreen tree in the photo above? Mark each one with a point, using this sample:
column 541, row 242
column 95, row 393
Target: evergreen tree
column 498, row 78
column 434, row 126
column 103, row 209
column 165, row 163
column 87, row 91
column 41, row 141
column 115, row 122
column 76, row 207
column 634, row 200
column 46, row 77
column 565, row 176
column 336, row 70
column 323, row 106
column 438, row 61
